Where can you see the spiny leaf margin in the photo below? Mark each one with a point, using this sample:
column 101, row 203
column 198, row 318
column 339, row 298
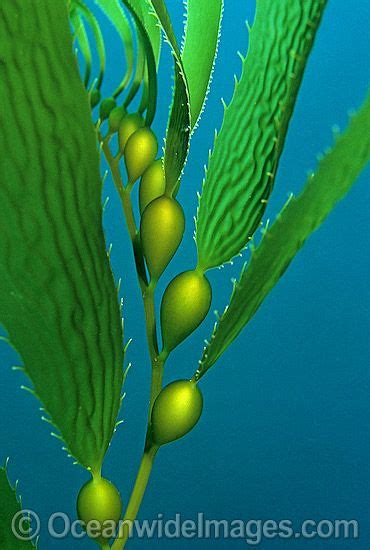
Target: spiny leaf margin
column 199, row 50
column 178, row 129
column 336, row 173
column 244, row 161
column 137, row 9
column 63, row 317
column 10, row 506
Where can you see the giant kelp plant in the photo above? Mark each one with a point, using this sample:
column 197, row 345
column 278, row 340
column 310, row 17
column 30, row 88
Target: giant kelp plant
column 55, row 273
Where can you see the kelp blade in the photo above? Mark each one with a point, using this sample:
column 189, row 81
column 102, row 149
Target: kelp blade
column 148, row 54
column 200, row 48
column 117, row 16
column 244, row 161
column 58, row 301
column 336, row 173
column 153, row 30
column 151, row 26
column 83, row 43
column 93, row 23
column 10, row 506
column 178, row 129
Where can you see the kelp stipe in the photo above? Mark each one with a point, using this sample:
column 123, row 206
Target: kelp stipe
column 54, row 130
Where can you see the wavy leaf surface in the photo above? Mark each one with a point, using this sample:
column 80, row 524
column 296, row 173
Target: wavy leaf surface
column 58, row 301
column 246, row 153
column 336, row 173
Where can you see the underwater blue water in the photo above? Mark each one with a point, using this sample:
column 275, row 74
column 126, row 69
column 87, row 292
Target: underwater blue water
column 285, row 432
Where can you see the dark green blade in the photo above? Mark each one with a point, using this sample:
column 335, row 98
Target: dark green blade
column 152, row 28
column 93, row 23
column 58, row 301
column 113, row 10
column 179, row 123
column 83, row 43
column 10, row 507
column 136, row 8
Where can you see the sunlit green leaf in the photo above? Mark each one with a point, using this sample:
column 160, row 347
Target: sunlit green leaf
column 117, row 16
column 336, row 173
column 153, row 30
column 58, row 301
column 152, row 27
column 178, row 129
column 146, row 60
column 244, row 161
column 200, row 48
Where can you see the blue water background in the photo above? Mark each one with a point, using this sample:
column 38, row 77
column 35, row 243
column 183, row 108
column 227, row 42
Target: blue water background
column 286, row 426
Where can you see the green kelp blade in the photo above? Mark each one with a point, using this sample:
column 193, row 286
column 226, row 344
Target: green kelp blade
column 146, row 59
column 82, row 41
column 139, row 72
column 114, row 12
column 203, row 23
column 152, row 27
column 336, row 173
column 11, row 507
column 243, row 165
column 154, row 32
column 93, row 23
column 58, row 301
column 178, row 128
